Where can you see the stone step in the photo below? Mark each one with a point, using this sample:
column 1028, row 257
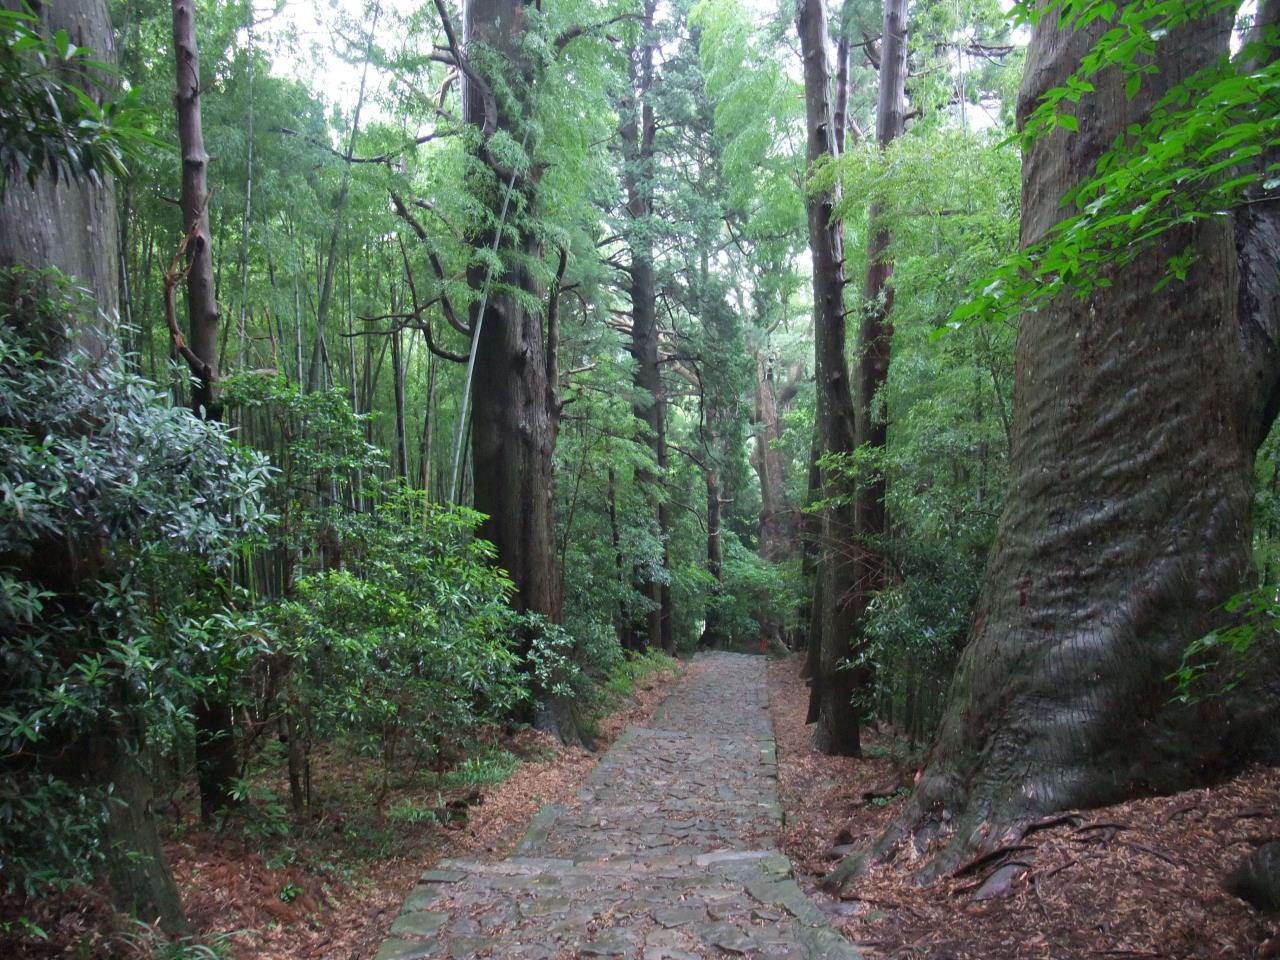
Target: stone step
column 734, row 903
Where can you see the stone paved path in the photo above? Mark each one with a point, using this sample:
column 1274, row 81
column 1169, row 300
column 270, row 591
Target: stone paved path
column 667, row 854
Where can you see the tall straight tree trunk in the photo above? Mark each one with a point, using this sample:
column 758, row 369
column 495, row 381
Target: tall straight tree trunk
column 712, row 632
column 626, row 629
column 831, row 688
column 242, row 325
column 202, row 301
column 71, row 225
column 777, row 533
column 875, row 338
column 875, row 332
column 401, row 446
column 428, row 428
column 637, row 130
column 513, row 427
column 1127, row 520
column 216, row 760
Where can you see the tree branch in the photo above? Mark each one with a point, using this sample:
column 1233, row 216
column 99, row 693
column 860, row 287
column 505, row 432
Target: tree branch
column 416, row 225
column 580, row 30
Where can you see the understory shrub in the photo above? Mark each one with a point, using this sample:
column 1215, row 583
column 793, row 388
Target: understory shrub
column 115, row 509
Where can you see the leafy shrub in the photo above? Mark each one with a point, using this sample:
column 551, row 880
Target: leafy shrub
column 411, row 641
column 109, row 499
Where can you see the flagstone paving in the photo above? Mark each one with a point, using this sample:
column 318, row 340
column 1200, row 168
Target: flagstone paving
column 667, row 853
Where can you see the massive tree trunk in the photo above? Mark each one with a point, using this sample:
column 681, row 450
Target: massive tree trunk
column 637, row 132
column 831, row 688
column 71, row 225
column 513, row 424
column 1127, row 520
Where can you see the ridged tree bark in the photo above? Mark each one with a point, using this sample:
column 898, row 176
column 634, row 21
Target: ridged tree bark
column 71, row 225
column 831, row 688
column 514, row 420
column 1127, row 519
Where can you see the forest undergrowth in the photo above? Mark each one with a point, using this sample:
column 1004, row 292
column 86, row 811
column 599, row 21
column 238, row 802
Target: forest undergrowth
column 1140, row 879
column 262, row 885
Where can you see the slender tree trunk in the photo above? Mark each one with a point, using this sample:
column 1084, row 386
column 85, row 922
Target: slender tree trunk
column 316, row 372
column 875, row 340
column 216, row 760
column 242, row 326
column 429, row 427
column 777, row 536
column 1127, row 520
column 712, row 632
column 777, row 530
column 831, row 688
column 202, row 303
column 840, row 117
column 401, row 447
column 811, row 541
column 626, row 629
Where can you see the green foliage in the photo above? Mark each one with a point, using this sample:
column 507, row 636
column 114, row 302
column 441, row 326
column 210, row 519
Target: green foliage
column 1253, row 626
column 752, row 587
column 1198, row 155
column 114, row 504
column 950, row 201
column 51, row 127
column 412, row 640
column 632, row 671
column 484, row 768
column 146, row 943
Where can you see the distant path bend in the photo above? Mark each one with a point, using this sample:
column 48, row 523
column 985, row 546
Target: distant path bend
column 668, row 853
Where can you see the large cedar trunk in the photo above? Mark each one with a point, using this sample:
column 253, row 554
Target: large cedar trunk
column 831, row 688
column 513, row 424
column 69, row 225
column 637, row 131
column 72, row 226
column 1126, row 524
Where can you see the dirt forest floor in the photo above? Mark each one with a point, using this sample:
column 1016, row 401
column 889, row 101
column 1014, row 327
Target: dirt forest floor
column 1129, row 882
column 332, row 890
